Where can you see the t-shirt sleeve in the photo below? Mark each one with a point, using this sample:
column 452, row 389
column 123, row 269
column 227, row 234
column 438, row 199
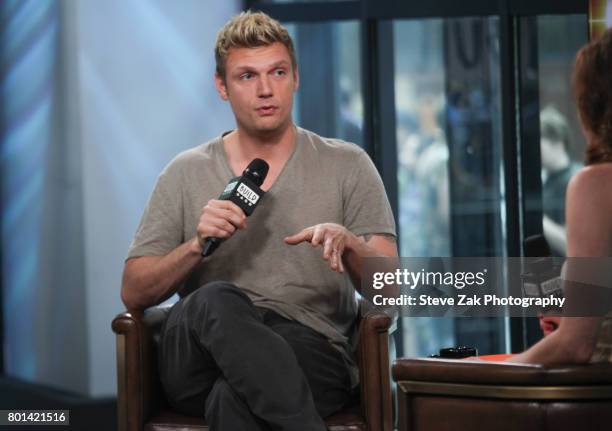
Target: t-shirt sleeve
column 366, row 207
column 161, row 226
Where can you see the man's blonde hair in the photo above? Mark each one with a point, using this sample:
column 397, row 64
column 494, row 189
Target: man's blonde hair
column 250, row 30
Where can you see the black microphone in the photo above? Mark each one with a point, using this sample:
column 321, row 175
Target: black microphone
column 536, row 246
column 244, row 191
column 543, row 275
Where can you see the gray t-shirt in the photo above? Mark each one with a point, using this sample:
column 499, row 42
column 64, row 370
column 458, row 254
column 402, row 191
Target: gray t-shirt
column 324, row 181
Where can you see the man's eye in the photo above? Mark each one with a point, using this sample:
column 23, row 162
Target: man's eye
column 246, row 76
column 279, row 72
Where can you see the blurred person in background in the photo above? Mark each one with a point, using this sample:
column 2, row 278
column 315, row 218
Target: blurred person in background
column 557, row 170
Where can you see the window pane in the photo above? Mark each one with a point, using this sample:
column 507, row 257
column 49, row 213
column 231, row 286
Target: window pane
column 561, row 141
column 298, row 1
column 447, row 98
column 329, row 101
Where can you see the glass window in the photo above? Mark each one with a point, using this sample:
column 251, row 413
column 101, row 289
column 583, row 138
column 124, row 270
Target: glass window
column 298, row 1
column 329, row 101
column 447, row 98
column 551, row 139
column 561, row 140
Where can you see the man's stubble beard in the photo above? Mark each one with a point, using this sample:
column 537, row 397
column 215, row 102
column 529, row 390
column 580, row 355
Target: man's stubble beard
column 275, row 129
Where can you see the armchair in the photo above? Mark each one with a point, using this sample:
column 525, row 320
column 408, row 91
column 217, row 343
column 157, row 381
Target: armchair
column 141, row 404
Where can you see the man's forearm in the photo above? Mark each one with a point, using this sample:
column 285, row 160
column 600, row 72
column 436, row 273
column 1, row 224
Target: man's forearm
column 149, row 280
column 359, row 248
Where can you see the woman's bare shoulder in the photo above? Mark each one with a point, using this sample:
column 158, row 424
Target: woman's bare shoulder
column 594, row 181
column 588, row 209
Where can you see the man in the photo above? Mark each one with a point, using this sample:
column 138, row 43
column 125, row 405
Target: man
column 259, row 339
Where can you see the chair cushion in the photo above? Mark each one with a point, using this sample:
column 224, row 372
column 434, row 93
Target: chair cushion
column 349, row 419
column 169, row 420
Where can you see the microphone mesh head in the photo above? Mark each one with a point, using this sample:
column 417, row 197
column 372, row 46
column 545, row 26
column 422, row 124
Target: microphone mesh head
column 536, row 246
column 257, row 171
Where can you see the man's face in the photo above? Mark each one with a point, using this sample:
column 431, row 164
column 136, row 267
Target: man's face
column 259, row 84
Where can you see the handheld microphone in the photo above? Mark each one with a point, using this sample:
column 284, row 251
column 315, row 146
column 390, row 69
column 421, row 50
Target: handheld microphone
column 244, row 191
column 543, row 275
column 536, row 246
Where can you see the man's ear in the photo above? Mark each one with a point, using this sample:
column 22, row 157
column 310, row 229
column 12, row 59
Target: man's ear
column 221, row 87
column 296, row 77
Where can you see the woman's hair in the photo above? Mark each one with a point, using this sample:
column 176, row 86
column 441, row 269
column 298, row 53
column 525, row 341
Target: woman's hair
column 592, row 84
column 250, row 30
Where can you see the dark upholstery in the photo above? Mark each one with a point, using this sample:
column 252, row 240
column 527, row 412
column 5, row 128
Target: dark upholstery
column 445, row 394
column 141, row 404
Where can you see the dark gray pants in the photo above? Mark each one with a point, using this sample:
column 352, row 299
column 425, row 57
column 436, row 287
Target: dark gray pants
column 246, row 368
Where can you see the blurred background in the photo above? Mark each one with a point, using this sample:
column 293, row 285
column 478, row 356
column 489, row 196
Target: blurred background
column 465, row 107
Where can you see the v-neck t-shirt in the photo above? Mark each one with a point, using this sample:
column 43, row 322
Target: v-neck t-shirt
column 323, row 181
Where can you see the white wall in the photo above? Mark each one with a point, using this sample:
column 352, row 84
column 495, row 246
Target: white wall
column 98, row 98
column 146, row 93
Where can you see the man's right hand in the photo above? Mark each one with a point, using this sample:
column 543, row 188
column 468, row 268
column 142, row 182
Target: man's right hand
column 220, row 219
column 149, row 280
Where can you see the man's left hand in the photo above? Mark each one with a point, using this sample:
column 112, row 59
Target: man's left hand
column 331, row 236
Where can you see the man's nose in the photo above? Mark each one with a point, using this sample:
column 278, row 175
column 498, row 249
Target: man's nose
column 264, row 89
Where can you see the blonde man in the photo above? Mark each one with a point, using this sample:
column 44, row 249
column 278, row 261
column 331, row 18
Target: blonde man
column 259, row 339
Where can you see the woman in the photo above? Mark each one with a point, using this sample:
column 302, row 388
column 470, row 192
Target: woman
column 588, row 210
